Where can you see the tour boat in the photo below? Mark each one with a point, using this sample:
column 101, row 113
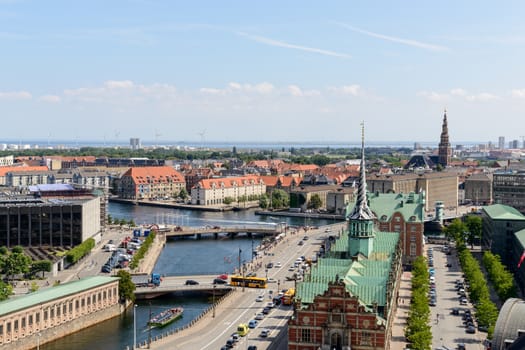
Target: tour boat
column 166, row 317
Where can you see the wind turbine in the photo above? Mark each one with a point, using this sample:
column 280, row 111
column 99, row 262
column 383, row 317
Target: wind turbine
column 202, row 134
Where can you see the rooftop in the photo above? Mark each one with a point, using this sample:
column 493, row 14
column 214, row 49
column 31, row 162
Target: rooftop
column 503, row 212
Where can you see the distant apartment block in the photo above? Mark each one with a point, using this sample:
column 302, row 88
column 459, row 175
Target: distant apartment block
column 134, row 143
column 501, row 142
column 215, row 191
column 509, row 189
column 150, row 183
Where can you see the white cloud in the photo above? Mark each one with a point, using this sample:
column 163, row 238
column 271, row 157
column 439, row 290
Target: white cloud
column 353, row 90
column 518, row 93
column 278, row 43
column 458, row 93
column 115, row 84
column 263, row 88
column 408, row 42
column 15, row 95
column 295, row 90
column 50, row 98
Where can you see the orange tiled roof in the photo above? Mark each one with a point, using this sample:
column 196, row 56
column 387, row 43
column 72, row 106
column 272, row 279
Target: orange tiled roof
column 154, row 174
column 7, row 169
column 228, row 182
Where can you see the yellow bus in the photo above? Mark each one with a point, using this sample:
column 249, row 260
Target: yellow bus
column 288, row 296
column 251, row 282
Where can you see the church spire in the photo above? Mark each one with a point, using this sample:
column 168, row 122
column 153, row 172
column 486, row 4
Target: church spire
column 361, row 210
column 444, row 150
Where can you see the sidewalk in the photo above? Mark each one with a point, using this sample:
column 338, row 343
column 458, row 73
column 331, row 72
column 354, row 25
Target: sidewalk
column 403, row 307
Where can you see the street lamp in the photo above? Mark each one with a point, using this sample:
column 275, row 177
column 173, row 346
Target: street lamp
column 266, row 270
column 38, row 341
column 134, row 327
column 213, row 315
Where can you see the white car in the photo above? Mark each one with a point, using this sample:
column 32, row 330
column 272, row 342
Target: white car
column 259, row 316
column 260, row 298
column 278, row 265
column 271, row 280
column 265, row 333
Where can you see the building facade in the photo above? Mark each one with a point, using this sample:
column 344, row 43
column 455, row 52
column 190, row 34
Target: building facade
column 500, row 223
column 478, row 189
column 55, row 312
column 159, row 182
column 215, row 191
column 509, row 189
column 28, row 221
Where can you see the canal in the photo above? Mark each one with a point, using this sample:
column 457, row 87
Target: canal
column 179, row 258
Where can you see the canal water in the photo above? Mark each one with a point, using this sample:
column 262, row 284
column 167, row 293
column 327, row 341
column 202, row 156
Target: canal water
column 179, row 258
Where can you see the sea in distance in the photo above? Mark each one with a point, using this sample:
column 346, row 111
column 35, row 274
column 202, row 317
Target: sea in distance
column 183, row 257
column 76, row 144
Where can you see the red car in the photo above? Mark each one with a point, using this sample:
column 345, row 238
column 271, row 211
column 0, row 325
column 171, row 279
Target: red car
column 223, row 277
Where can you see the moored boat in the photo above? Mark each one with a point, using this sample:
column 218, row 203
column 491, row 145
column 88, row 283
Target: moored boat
column 166, row 317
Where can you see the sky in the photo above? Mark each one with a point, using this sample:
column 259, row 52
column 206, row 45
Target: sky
column 261, row 71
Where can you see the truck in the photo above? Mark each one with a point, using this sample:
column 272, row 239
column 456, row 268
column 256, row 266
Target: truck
column 152, row 280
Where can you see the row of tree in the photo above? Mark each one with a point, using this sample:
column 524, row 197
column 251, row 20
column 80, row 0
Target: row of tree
column 80, row 251
column 418, row 331
column 501, row 278
column 121, row 222
column 141, row 253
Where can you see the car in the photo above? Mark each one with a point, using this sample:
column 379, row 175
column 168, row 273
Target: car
column 305, row 238
column 236, row 337
column 259, row 298
column 223, row 277
column 270, row 305
column 291, row 268
column 471, row 329
column 252, row 347
column 278, row 265
column 230, row 343
column 463, row 301
column 251, row 274
column 483, row 328
column 271, row 280
column 264, row 333
column 461, row 346
column 266, row 310
column 225, row 347
column 455, row 311
column 252, row 324
column 432, row 302
column 219, row 281
column 269, row 265
column 300, row 243
column 259, row 316
column 106, row 268
column 191, row 282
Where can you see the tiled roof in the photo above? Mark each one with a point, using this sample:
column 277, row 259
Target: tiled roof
column 228, row 182
column 386, row 204
column 154, row 174
column 45, row 295
column 8, row 169
column 503, row 212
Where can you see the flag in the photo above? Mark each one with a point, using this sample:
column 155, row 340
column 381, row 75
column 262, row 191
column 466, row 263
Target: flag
column 521, row 259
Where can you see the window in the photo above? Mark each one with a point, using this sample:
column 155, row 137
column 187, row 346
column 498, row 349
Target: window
column 16, row 325
column 37, row 317
column 413, row 249
column 305, row 335
column 365, row 338
column 23, row 322
column 30, row 320
column 45, row 315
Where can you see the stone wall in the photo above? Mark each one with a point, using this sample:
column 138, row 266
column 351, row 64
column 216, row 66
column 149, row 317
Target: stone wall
column 51, row 334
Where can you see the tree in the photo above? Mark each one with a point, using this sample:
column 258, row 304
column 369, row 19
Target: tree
column 16, row 263
column 183, row 194
column 5, row 290
column 280, row 199
column 475, row 227
column 320, row 160
column 126, row 287
column 456, row 231
column 315, row 201
column 41, row 266
column 264, row 201
column 227, row 200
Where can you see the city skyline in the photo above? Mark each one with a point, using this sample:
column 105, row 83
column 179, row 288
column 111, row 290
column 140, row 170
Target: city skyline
column 268, row 72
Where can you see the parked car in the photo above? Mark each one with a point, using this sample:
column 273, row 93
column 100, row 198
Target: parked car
column 252, row 347
column 191, row 282
column 471, row 329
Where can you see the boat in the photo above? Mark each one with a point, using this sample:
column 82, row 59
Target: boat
column 166, row 317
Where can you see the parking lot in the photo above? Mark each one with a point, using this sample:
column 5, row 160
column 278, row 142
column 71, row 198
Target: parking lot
column 448, row 315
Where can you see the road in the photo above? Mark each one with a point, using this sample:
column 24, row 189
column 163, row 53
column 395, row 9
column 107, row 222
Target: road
column 447, row 329
column 241, row 306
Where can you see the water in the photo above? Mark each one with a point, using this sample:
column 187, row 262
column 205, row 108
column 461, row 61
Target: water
column 179, row 257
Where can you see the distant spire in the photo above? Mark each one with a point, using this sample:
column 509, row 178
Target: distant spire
column 361, row 210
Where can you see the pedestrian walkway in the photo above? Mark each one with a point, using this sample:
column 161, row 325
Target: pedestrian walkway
column 400, row 320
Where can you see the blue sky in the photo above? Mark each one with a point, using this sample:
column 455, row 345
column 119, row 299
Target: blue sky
column 261, row 71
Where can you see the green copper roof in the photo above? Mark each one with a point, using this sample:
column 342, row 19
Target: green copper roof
column 364, row 278
column 45, row 295
column 384, row 205
column 520, row 235
column 503, row 212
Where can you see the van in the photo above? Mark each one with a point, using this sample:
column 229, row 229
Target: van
column 242, row 329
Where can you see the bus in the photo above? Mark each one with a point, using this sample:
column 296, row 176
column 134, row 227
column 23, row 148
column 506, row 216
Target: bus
column 251, row 282
column 288, row 296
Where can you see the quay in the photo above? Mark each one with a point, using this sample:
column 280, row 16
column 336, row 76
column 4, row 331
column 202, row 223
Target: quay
column 175, row 205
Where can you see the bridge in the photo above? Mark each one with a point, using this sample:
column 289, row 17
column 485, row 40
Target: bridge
column 177, row 284
column 182, row 231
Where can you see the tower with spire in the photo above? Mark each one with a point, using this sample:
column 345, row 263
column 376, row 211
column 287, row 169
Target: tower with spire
column 361, row 219
column 444, row 152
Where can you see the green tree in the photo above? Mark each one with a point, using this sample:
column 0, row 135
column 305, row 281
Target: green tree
column 126, row 287
column 456, row 231
column 16, row 263
column 315, row 201
column 183, row 194
column 320, row 160
column 227, row 200
column 475, row 227
column 280, row 199
column 264, row 201
column 41, row 266
column 5, row 290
